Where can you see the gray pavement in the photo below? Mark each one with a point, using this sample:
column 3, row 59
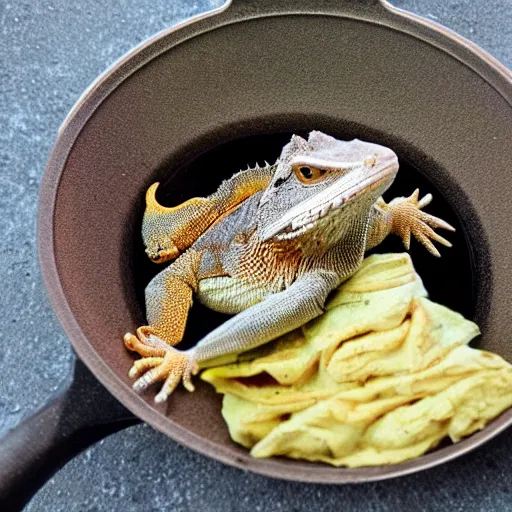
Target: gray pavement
column 49, row 52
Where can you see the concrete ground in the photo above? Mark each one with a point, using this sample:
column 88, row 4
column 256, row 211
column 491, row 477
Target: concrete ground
column 50, row 50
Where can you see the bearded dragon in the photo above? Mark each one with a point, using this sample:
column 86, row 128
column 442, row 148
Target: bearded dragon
column 269, row 246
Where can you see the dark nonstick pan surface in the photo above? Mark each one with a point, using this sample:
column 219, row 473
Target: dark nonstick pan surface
column 373, row 82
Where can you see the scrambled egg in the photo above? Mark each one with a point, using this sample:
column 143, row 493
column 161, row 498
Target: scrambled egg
column 381, row 377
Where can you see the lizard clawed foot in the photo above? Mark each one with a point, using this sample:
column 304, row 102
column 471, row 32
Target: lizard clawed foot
column 409, row 219
column 175, row 365
column 160, row 362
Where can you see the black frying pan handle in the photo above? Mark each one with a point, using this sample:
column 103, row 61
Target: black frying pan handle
column 80, row 413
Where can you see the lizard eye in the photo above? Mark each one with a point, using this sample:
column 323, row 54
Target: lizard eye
column 308, row 174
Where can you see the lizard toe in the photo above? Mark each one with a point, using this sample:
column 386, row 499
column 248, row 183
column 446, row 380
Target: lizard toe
column 143, row 365
column 144, row 345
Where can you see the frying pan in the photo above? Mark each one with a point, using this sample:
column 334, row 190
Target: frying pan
column 194, row 104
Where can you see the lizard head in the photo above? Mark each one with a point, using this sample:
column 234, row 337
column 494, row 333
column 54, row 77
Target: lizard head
column 318, row 179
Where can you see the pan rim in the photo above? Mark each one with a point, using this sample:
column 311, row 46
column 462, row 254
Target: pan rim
column 67, row 136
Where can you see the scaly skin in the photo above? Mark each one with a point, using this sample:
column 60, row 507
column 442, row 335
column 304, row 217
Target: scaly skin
column 167, row 232
column 268, row 246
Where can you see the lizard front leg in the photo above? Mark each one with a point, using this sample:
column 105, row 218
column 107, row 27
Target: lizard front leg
column 278, row 314
column 168, row 300
column 403, row 216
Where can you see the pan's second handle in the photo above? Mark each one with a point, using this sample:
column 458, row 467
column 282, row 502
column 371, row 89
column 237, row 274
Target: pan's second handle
column 81, row 413
column 268, row 6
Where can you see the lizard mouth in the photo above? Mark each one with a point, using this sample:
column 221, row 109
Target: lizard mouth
column 324, row 214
